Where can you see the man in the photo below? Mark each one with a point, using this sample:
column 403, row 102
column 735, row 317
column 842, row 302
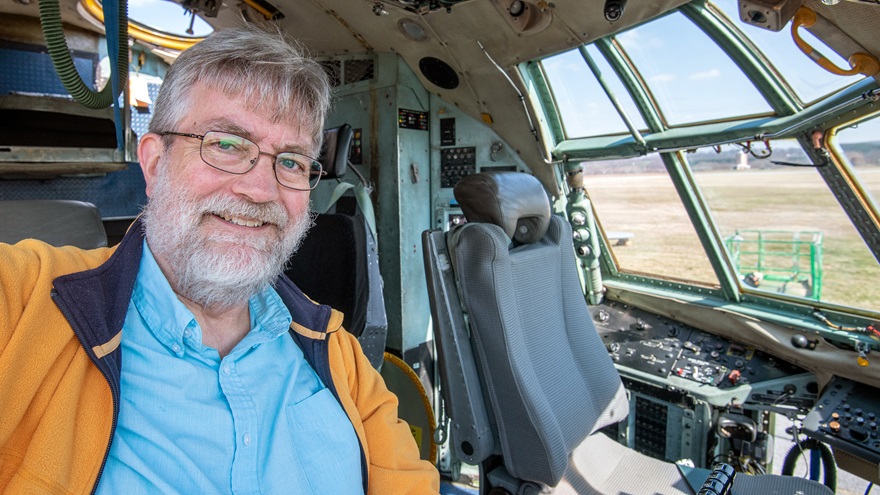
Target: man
column 183, row 361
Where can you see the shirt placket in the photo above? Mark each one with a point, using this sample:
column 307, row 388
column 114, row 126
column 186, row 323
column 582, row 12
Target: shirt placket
column 244, row 419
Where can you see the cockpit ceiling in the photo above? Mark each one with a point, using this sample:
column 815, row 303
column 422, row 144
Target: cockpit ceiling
column 359, row 28
column 331, row 27
column 450, row 29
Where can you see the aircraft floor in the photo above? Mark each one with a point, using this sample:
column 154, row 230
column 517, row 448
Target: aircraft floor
column 847, row 484
column 449, row 488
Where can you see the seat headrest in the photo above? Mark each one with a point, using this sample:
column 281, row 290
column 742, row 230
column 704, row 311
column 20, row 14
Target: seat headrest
column 335, row 151
column 514, row 201
column 56, row 222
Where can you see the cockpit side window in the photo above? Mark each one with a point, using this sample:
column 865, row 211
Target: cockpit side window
column 584, row 107
column 689, row 76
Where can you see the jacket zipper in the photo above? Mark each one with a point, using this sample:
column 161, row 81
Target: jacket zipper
column 64, row 312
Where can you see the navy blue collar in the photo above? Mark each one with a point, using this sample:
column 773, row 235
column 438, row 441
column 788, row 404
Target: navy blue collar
column 95, row 303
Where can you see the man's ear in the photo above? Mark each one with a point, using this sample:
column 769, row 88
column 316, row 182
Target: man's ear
column 150, row 150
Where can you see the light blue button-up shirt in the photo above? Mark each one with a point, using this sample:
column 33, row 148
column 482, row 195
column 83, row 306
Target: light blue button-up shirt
column 256, row 421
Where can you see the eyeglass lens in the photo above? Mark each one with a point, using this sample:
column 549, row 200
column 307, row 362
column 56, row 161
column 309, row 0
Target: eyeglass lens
column 237, row 155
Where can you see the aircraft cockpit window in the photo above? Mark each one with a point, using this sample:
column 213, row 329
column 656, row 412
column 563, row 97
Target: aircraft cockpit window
column 168, row 26
column 584, row 107
column 691, row 78
column 783, row 229
column 168, row 17
column 658, row 241
column 698, row 199
column 809, row 81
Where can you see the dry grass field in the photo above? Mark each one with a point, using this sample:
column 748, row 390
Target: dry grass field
column 792, row 199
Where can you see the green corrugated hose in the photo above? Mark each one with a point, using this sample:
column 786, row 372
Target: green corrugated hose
column 53, row 32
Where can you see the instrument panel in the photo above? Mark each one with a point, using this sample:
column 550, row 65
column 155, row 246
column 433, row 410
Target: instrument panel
column 680, row 376
column 652, row 348
column 847, row 417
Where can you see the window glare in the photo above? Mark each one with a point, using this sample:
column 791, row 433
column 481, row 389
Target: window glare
column 809, row 81
column 709, row 86
column 583, row 105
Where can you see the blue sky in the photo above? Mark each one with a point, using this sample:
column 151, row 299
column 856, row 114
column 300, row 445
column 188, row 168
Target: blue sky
column 165, row 16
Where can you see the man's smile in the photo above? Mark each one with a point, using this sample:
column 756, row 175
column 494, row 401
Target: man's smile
column 243, row 222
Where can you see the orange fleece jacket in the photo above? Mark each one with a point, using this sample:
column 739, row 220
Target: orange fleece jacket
column 56, row 407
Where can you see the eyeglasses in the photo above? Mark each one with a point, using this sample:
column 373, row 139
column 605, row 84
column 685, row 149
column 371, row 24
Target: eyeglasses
column 237, row 155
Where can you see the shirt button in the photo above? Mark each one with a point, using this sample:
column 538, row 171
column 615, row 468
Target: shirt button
column 175, row 348
column 226, row 369
column 247, row 439
column 187, row 333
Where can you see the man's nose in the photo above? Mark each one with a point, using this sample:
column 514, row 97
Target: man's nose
column 259, row 184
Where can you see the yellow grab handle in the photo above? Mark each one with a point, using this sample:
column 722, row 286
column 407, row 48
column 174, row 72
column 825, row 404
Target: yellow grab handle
column 860, row 63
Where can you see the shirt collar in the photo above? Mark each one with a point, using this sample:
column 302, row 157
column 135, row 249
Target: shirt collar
column 270, row 318
column 170, row 321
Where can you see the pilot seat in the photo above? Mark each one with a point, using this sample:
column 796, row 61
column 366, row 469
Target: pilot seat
column 526, row 379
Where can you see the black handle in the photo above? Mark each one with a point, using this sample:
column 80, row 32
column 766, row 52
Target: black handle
column 719, row 482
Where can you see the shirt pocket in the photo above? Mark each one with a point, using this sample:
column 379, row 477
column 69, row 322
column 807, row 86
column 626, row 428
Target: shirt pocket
column 327, row 447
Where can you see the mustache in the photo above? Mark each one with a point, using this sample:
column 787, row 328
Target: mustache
column 227, row 206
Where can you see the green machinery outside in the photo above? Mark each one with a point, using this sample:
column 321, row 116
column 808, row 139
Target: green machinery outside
column 784, row 261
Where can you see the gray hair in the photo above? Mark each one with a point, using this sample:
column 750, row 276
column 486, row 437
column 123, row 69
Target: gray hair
column 265, row 69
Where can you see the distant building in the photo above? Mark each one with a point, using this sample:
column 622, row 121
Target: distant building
column 742, row 163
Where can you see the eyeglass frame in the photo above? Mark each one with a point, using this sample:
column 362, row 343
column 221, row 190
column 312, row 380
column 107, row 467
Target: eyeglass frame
column 253, row 162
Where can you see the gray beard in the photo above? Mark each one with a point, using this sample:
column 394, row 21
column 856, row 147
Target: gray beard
column 218, row 270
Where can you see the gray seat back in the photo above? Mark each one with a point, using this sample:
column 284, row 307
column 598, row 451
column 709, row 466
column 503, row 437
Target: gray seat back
column 56, row 222
column 337, row 264
column 549, row 381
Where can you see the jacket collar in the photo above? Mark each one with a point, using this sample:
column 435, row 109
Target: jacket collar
column 96, row 301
